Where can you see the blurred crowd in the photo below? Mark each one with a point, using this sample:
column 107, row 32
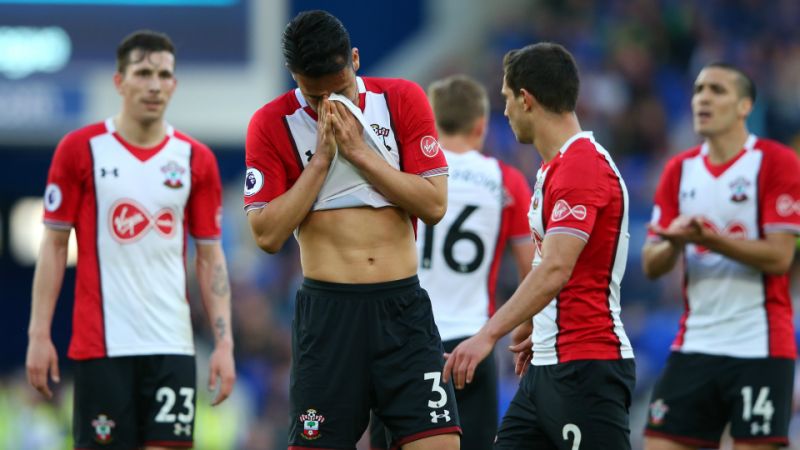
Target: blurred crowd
column 638, row 60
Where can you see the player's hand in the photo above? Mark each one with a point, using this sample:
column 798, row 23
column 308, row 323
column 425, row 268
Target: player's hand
column 222, row 371
column 326, row 141
column 41, row 359
column 523, row 354
column 348, row 131
column 521, row 346
column 682, row 230
column 465, row 358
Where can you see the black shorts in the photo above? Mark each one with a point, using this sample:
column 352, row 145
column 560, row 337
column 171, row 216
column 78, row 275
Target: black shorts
column 477, row 408
column 578, row 404
column 358, row 347
column 697, row 395
column 132, row 401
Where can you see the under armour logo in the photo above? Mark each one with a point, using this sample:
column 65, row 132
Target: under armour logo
column 687, row 194
column 183, row 429
column 309, row 154
column 764, row 428
column 435, row 416
column 104, row 172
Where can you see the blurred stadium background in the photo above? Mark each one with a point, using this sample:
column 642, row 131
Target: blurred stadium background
column 637, row 58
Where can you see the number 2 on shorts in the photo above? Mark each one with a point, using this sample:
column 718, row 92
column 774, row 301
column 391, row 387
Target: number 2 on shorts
column 572, row 429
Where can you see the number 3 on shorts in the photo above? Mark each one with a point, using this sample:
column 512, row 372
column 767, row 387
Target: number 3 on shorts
column 437, row 388
column 572, row 429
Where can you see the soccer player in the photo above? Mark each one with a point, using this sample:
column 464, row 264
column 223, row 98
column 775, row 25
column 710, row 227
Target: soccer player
column 133, row 188
column 348, row 163
column 577, row 392
column 487, row 207
column 730, row 209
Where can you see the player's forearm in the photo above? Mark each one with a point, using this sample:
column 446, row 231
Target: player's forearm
column 773, row 257
column 274, row 223
column 47, row 280
column 421, row 197
column 659, row 258
column 212, row 275
column 539, row 287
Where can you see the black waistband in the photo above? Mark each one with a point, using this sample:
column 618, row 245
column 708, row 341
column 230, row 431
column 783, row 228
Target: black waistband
column 357, row 288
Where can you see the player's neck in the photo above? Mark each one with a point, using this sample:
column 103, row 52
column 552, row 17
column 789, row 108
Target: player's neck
column 140, row 134
column 459, row 143
column 552, row 132
column 723, row 147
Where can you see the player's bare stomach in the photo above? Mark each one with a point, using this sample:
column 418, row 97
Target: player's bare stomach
column 358, row 245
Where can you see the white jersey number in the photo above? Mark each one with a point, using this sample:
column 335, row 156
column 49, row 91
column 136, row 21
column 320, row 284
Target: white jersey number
column 166, row 395
column 572, row 429
column 437, row 388
column 455, row 234
column 761, row 407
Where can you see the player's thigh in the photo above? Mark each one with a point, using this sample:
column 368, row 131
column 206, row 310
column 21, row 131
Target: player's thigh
column 406, row 370
column 448, row 441
column 477, row 404
column 104, row 408
column 329, row 382
column 167, row 396
column 760, row 391
column 686, row 405
column 521, row 424
column 588, row 404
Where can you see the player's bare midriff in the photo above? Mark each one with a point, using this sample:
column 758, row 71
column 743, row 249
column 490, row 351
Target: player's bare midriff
column 358, row 245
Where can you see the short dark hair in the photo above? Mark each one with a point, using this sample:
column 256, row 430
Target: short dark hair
column 146, row 40
column 457, row 102
column 546, row 70
column 316, row 43
column 747, row 88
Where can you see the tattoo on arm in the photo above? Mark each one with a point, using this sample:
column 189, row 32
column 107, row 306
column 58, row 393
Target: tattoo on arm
column 219, row 281
column 219, row 325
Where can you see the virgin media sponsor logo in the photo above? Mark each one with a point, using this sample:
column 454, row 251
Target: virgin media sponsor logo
column 129, row 221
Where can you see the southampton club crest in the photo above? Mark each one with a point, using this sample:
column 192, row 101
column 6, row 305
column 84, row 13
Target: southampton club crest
column 311, row 422
column 102, row 429
column 658, row 410
column 173, row 173
column 739, row 190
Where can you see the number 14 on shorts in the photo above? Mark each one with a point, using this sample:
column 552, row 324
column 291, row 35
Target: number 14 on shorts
column 760, row 405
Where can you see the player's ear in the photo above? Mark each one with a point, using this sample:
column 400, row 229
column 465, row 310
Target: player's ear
column 479, row 127
column 356, row 61
column 744, row 106
column 528, row 100
column 118, row 81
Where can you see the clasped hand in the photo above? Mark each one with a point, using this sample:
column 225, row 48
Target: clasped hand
column 337, row 127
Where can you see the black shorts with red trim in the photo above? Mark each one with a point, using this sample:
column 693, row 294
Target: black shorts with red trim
column 134, row 401
column 578, row 404
column 362, row 347
column 477, row 408
column 698, row 395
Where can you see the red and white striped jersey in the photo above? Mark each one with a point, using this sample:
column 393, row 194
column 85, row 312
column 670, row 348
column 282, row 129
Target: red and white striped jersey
column 581, row 193
column 487, row 205
column 131, row 208
column 731, row 308
column 281, row 139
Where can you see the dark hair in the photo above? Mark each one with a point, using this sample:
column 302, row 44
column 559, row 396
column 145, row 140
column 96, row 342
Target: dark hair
column 457, row 102
column 315, row 43
column 146, row 40
column 747, row 88
column 546, row 70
